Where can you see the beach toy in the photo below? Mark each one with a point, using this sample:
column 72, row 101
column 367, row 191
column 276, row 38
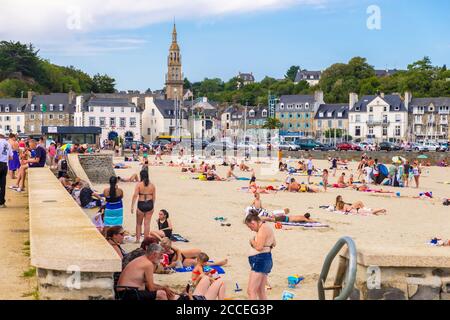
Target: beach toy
column 398, row 194
column 278, row 225
column 288, row 295
column 238, row 289
column 294, row 280
column 165, row 260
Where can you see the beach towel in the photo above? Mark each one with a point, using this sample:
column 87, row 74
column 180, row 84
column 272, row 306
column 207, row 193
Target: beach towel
column 189, row 269
column 243, row 179
column 113, row 214
column 176, row 237
column 306, row 224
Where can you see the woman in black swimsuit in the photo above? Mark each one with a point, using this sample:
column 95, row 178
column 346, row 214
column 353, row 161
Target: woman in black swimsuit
column 164, row 226
column 145, row 193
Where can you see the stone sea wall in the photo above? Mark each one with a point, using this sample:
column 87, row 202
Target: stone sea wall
column 98, row 167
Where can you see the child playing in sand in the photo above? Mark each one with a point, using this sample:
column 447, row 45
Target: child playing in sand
column 199, row 272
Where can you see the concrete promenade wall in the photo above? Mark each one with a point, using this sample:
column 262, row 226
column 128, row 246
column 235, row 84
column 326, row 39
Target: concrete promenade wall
column 72, row 258
column 409, row 274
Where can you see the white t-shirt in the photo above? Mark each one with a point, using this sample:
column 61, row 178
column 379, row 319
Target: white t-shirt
column 310, row 165
column 5, row 151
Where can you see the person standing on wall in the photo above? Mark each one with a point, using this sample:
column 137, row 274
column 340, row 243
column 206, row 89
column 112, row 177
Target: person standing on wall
column 6, row 154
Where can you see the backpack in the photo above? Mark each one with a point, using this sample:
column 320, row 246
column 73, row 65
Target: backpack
column 64, row 165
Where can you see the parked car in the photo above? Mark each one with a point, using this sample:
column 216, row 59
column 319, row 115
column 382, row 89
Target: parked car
column 389, row 146
column 288, row 146
column 306, row 144
column 347, row 146
column 161, row 142
column 443, row 147
column 419, row 147
column 432, row 146
column 324, row 147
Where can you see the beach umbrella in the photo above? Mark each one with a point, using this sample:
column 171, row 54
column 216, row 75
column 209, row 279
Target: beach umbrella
column 66, row 146
column 398, row 159
column 422, row 156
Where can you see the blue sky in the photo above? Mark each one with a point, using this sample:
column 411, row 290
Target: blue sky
column 220, row 41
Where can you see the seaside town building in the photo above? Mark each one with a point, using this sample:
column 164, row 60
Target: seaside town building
column 378, row 118
column 12, row 116
column 331, row 116
column 312, row 77
column 296, row 113
column 116, row 116
column 429, row 119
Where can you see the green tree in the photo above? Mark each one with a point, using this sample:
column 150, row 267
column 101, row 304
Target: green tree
column 272, row 123
column 103, row 84
column 292, row 73
column 187, row 84
column 13, row 88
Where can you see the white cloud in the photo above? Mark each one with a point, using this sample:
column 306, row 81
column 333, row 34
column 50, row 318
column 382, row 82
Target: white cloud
column 31, row 20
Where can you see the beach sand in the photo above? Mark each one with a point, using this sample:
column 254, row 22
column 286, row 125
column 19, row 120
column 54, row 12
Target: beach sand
column 193, row 204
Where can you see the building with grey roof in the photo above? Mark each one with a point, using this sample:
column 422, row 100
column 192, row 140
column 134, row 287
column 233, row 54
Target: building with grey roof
column 331, row 116
column 12, row 116
column 429, row 119
column 312, row 77
column 378, row 118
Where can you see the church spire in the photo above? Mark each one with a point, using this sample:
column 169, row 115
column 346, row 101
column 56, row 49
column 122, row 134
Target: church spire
column 174, row 32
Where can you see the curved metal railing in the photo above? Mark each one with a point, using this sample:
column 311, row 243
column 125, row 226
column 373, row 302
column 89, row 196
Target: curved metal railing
column 350, row 275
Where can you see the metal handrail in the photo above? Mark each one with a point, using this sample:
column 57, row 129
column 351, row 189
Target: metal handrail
column 350, row 276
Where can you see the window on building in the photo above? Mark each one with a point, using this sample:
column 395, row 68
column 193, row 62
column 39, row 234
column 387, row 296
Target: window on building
column 61, row 117
column 398, row 118
column 384, row 131
column 339, row 123
column 357, row 118
column 32, row 107
column 133, row 109
column 18, row 128
column 122, row 109
column 370, row 109
column 7, row 128
column 339, row 114
column 102, row 109
column 18, row 118
column 122, row 123
column 153, row 114
column 319, row 123
column 330, row 124
column 61, row 107
column 149, row 131
column 32, row 128
column 102, row 121
column 397, row 131
column 321, row 115
column 92, row 121
column 329, row 114
column 7, row 118
column 306, row 105
column 32, row 116
column 112, row 109
column 385, row 118
column 6, row 109
column 385, row 109
column 264, row 113
column 357, row 131
column 370, row 117
column 50, row 117
column 112, row 122
column 51, row 107
column 132, row 122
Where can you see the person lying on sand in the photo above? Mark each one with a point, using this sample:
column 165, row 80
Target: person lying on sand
column 341, row 181
column 186, row 257
column 341, row 206
column 134, row 178
column 280, row 216
column 294, row 186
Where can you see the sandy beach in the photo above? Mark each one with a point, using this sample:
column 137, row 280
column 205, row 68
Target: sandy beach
column 193, row 204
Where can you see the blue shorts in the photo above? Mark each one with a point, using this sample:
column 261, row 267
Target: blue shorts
column 261, row 263
column 309, row 172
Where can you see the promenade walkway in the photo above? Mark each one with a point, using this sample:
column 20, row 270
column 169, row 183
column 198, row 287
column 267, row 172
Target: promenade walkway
column 14, row 234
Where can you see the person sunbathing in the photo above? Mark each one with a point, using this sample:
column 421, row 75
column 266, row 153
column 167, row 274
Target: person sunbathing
column 134, row 178
column 293, row 186
column 185, row 257
column 346, row 208
column 243, row 166
column 230, row 172
column 341, row 181
column 281, row 216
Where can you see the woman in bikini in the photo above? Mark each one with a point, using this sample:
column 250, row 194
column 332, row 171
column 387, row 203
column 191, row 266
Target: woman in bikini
column 145, row 193
column 260, row 257
column 186, row 257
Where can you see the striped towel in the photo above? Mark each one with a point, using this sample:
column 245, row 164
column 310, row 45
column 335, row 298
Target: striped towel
column 113, row 214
